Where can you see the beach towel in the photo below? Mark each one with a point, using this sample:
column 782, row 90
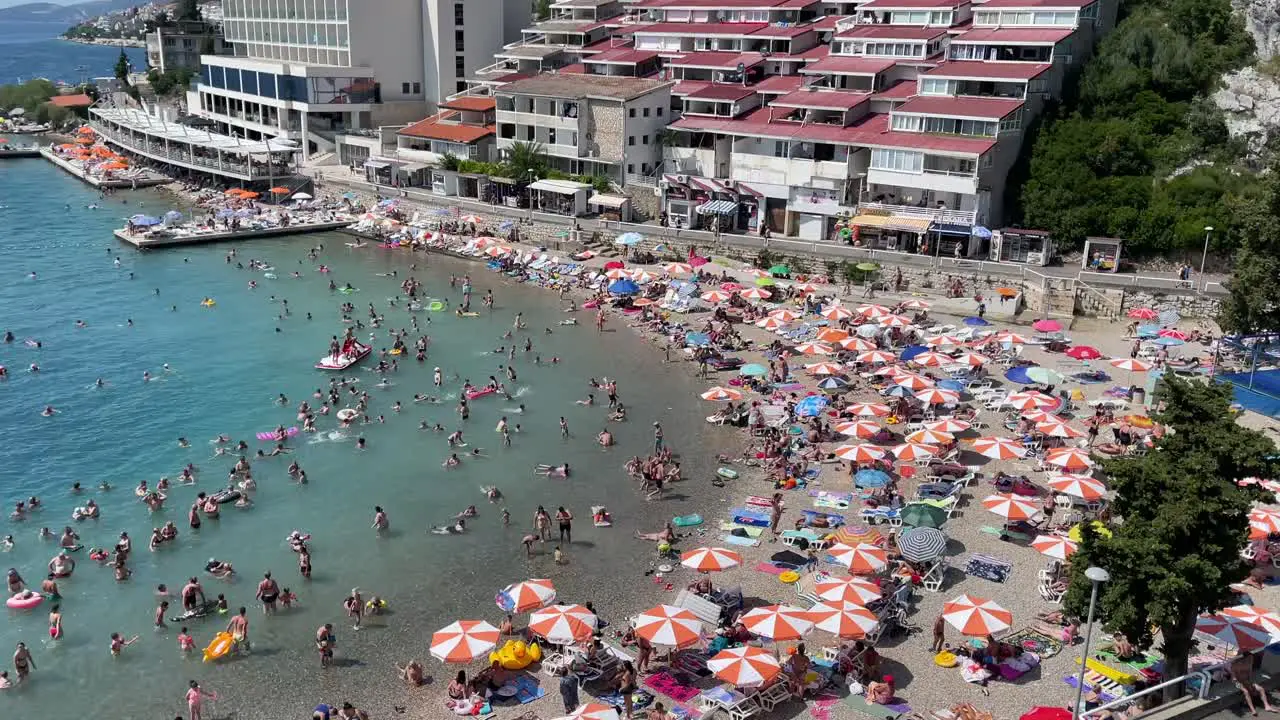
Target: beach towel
column 640, row 699
column 751, row 532
column 737, row 540
column 770, row 569
column 1142, row 662
column 860, row 704
column 757, row 501
column 1103, row 696
column 1032, row 640
column 527, row 689
column 821, row 708
column 671, row 686
column 988, row 568
column 829, row 503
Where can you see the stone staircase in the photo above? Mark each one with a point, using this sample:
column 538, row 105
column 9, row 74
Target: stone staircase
column 602, row 247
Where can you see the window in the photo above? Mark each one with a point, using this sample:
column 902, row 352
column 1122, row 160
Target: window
column 631, row 140
column 404, row 88
column 986, row 17
column 459, row 66
column 908, row 123
column 528, row 133
column 631, row 168
column 457, row 14
column 551, row 136
column 458, row 44
column 936, row 86
column 897, row 160
column 417, row 88
column 779, row 149
column 460, row 86
column 631, row 112
column 646, row 112
column 644, row 139
column 659, row 111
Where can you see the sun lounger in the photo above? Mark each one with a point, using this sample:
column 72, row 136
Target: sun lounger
column 802, row 538
column 702, row 608
column 771, row 696
column 735, row 704
column 741, row 540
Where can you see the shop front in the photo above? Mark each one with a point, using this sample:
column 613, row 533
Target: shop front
column 559, row 197
column 1033, row 247
column 886, row 232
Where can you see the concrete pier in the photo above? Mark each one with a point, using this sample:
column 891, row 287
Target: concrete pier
column 143, row 241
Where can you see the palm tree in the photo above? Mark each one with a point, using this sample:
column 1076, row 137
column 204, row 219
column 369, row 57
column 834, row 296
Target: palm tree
column 525, row 159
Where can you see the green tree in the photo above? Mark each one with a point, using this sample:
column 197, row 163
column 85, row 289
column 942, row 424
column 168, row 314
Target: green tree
column 1185, row 520
column 541, row 9
column 122, row 68
column 1254, row 303
column 525, row 159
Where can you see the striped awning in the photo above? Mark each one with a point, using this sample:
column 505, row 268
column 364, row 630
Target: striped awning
column 718, row 207
column 892, row 222
column 711, row 185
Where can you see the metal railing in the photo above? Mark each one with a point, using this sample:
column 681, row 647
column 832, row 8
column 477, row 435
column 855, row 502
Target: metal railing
column 945, row 215
column 1203, row 675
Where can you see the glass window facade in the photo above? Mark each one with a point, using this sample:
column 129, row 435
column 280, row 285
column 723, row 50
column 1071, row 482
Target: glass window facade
column 320, row 91
column 310, row 31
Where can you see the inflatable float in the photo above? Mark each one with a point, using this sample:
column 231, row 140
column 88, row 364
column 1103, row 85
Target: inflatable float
column 727, row 473
column 208, row 302
column 272, row 437
column 220, row 646
column 347, row 414
column 601, row 517
column 687, row 520
column 516, row 655
column 225, row 496
column 25, row 600
column 468, row 314
column 435, row 306
column 473, row 394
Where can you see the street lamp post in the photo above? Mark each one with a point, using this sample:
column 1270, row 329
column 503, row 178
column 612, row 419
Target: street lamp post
column 1096, row 576
column 1204, row 255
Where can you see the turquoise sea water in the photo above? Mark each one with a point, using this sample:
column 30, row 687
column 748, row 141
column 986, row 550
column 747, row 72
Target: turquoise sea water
column 228, row 365
column 32, row 49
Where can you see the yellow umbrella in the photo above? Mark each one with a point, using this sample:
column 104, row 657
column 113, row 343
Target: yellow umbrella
column 1098, row 527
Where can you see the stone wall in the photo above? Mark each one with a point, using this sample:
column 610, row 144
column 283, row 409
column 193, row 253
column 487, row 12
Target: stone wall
column 605, row 123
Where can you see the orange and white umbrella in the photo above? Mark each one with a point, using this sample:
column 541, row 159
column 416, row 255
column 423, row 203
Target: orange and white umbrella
column 1054, row 546
column 756, row 293
column 1010, row 507
column 592, row 711
column 777, row 622
column 824, row 368
column 715, row 296
column 873, row 311
column 836, row 312
column 910, row 452
column 677, row 268
column 1082, row 487
column 895, row 321
column 745, row 666
column 891, row 371
column 857, row 344
column 934, row 396
column 784, row 315
column 464, row 641
column 1042, row 416
column 911, row 381
column 876, row 357
column 1131, row 364
column 1069, row 459
column 757, row 273
column 1058, row 429
column 770, row 324
column 1265, row 520
column 844, row 619
column 868, row 409
column 944, row 341
column 563, row 624
column 813, row 348
column 860, row 559
column 1012, row 338
column 948, row 425
column 1258, row 616
column 915, row 304
column 972, row 359
column 850, row 589
column 1029, row 400
column 642, row 302
column 1242, row 634
column 617, row 274
column 976, row 617
column 497, row 251
column 710, row 559
column 932, row 359
column 832, row 335
column 642, row 276
column 669, row 626
column 860, row 454
column 857, row 428
column 805, row 288
column 721, row 394
column 930, row 437
column 999, row 448
column 525, row 596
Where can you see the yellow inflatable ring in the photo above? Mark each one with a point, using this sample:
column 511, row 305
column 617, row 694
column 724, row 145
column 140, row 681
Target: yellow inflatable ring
column 789, row 576
column 945, row 659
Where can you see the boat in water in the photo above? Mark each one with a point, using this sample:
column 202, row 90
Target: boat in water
column 352, row 352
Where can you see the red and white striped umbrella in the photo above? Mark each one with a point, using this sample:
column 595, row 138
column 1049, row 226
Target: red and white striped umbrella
column 858, row 428
column 948, row 425
column 895, row 321
column 777, row 622
column 1010, row 507
column 1174, row 333
column 890, row 371
column 875, row 357
column 1078, row 485
column 715, row 296
column 860, row 454
column 844, row 619
column 1131, row 364
column 943, row 341
column 932, row 359
column 710, row 559
column 525, row 596
column 934, row 396
column 669, row 626
column 1258, row 616
column 860, row 559
column 1012, row 338
column 469, row 218
column 972, row 359
column 563, row 624
column 617, row 274
column 1054, row 546
column 837, row 312
column 813, row 348
column 850, row 589
column 1069, row 458
column 910, row 452
column 464, row 641
column 592, row 711
column 643, row 302
column 911, row 381
column 999, row 448
column 857, row 344
column 745, row 666
column 832, row 335
column 1242, row 634
column 976, row 617
column 770, row 324
column 868, row 409
column 930, row 437
column 915, row 304
column 784, row 315
column 1266, row 520
column 1030, row 400
column 722, row 394
column 677, row 268
column 873, row 311
column 1042, row 416
column 805, row 288
column 642, row 276
column 1058, row 429
column 756, row 294
column 824, row 368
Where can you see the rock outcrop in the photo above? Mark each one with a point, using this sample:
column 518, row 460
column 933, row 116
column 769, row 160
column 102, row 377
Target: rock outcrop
column 1251, row 97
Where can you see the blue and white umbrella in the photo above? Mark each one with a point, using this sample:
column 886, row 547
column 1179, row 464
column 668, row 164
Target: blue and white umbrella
column 833, row 383
column 506, row 225
column 624, row 287
column 976, row 322
column 913, row 350
column 1019, row 375
column 226, row 213
column 1168, row 341
column 922, row 544
column 696, row 339
column 898, row 391
column 172, row 216
column 145, row 220
column 811, row 406
column 629, row 238
column 868, row 478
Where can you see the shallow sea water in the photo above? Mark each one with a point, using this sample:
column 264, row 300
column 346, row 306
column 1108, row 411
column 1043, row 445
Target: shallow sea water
column 228, row 365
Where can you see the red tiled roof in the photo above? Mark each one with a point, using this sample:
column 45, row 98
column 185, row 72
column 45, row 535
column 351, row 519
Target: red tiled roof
column 573, row 69
column 722, row 4
column 1015, row 36
column 433, row 129
column 822, row 99
column 722, row 93
column 977, row 70
column 473, row 104
column 895, row 4
column 848, row 65
column 512, row 77
column 870, row 131
column 609, row 43
column 71, row 101
column 716, row 60
column 791, row 31
column 780, row 84
column 962, row 107
column 817, row 52
column 1038, row 3
column 901, row 90
column 891, row 32
column 686, row 87
column 696, row 29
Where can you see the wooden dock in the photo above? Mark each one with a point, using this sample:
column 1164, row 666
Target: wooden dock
column 120, row 184
column 142, row 241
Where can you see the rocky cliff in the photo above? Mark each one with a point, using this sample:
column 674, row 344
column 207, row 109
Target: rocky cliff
column 1251, row 97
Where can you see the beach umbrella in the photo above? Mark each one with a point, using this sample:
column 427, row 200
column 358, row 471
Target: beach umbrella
column 1010, row 507
column 1257, row 616
column 813, row 348
column 857, row 344
column 1173, row 333
column 1140, row 421
column 856, row 533
column 592, row 711
column 777, row 622
column 745, row 666
column 860, row 454
column 756, row 294
column 145, row 220
column 911, row 351
column 943, row 341
column 849, row 589
column 1044, row 375
column 1143, row 314
column 642, row 276
column 833, row 382
column 643, row 302
column 226, row 213
column 614, row 264
column 779, row 270
column 832, row 335
column 947, row 425
column 911, row 452
column 923, row 515
column 875, row 357
column 824, row 368
column 805, row 288
column 867, row 266
column 624, row 287
column 669, row 626
column 873, row 311
column 1131, row 364
column 1054, row 546
column 1042, row 416
column 279, row 191
column 1044, row 712
column 1018, row 374
column 860, row 559
column 1069, row 458
column 770, row 324
column 976, row 617
column 628, row 238
column 811, row 406
column 975, row 322
column 677, row 268
column 1266, row 521
column 930, row 437
column 867, row 409
column 784, row 315
column 1075, row 535
column 497, row 251
column 710, row 559
column 1057, row 428
column 303, row 196
column 897, row 391
column 1030, row 400
column 868, row 330
column 722, row 394
column 1240, row 633
column 764, row 282
column 563, row 624
column 921, row 544
column 715, row 296
column 172, row 216
column 756, row 272
column 935, row 396
column 1085, row 488
column 932, row 359
column 915, row 304
column 464, row 641
column 857, row 428
column 911, row 381
column 1047, row 326
column 753, row 370
column 846, row 619
column 525, row 596
column 1084, row 352
column 1010, row 338
column 836, row 312
column 999, row 448
column 1168, row 341
column 895, row 321
column 869, row 478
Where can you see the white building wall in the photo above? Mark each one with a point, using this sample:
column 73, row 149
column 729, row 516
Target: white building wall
column 487, row 25
column 386, row 36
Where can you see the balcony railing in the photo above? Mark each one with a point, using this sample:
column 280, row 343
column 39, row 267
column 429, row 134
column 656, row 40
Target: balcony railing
column 942, row 215
column 158, row 151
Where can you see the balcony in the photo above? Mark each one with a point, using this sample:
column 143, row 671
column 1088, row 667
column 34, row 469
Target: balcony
column 555, row 149
column 692, row 161
column 537, row 120
column 793, row 172
column 937, row 180
column 941, row 215
column 228, row 165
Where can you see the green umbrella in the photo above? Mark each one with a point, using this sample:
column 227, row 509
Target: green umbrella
column 779, row 270
column 867, row 266
column 1044, row 375
column 922, row 514
column 764, row 282
column 562, row 234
